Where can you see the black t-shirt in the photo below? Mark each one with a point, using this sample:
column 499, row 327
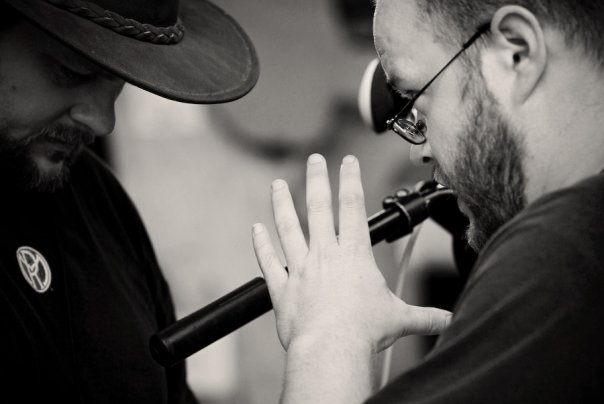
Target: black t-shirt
column 80, row 294
column 529, row 325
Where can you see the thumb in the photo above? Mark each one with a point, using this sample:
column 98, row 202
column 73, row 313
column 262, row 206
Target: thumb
column 425, row 320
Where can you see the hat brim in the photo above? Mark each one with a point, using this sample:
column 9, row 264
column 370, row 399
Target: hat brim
column 215, row 61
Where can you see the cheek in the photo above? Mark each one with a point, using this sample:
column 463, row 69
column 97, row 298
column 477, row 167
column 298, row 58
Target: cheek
column 28, row 97
column 446, row 114
column 24, row 109
column 444, row 131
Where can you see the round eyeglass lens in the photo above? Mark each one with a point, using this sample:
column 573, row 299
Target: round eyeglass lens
column 408, row 131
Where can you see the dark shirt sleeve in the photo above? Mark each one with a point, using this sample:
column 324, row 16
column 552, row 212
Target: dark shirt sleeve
column 527, row 326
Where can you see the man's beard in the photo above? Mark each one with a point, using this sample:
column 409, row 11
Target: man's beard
column 18, row 167
column 487, row 175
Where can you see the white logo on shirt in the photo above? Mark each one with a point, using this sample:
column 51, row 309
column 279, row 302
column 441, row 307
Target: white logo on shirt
column 34, row 268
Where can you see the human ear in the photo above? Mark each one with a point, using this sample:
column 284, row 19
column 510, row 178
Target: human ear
column 519, row 51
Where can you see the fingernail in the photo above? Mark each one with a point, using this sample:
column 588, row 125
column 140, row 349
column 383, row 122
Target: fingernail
column 278, row 185
column 315, row 158
column 257, row 228
column 349, row 159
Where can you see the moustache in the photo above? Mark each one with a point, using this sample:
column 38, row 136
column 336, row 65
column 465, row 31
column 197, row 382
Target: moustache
column 67, row 135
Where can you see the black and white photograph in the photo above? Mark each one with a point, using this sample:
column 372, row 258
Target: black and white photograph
column 301, row 202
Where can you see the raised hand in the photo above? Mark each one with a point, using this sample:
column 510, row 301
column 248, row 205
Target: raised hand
column 333, row 289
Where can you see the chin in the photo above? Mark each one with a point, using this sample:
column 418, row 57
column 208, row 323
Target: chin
column 472, row 234
column 50, row 180
column 471, row 238
column 476, row 236
column 42, row 160
column 41, row 176
column 51, row 170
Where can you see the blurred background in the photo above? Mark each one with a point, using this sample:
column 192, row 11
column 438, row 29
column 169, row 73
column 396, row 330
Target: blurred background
column 200, row 176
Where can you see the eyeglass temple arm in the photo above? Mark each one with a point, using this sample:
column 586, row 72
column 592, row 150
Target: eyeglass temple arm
column 481, row 30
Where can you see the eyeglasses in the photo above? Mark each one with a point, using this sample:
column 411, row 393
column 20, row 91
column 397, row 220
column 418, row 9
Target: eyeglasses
column 406, row 123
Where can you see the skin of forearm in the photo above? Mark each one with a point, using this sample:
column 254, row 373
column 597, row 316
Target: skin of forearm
column 327, row 370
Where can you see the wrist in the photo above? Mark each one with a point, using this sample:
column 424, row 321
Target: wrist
column 328, row 342
column 327, row 369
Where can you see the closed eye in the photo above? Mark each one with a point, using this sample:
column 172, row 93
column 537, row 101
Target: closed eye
column 70, row 76
column 64, row 75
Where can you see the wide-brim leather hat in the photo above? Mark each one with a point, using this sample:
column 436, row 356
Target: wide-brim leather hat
column 189, row 51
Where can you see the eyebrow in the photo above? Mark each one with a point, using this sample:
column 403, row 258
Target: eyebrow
column 397, row 85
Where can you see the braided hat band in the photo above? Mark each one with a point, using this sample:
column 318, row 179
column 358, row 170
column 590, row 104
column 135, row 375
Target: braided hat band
column 123, row 26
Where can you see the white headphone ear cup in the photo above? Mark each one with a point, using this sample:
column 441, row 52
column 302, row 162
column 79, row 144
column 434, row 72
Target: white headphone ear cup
column 364, row 101
column 377, row 101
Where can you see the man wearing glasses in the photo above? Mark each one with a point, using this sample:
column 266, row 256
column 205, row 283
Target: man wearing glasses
column 513, row 123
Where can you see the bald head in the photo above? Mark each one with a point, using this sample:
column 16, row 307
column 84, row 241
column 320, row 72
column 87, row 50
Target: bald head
column 400, row 36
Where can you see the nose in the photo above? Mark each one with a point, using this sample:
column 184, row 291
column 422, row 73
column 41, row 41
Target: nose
column 95, row 107
column 421, row 154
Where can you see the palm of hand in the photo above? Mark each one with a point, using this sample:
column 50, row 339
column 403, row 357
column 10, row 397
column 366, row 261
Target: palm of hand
column 333, row 288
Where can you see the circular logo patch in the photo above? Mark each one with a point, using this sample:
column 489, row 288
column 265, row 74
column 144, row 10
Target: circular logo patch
column 34, row 268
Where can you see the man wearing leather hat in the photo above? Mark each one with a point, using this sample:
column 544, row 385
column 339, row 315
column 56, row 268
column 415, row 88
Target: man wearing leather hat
column 81, row 291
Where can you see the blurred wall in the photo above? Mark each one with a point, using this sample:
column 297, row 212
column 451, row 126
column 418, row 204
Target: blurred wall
column 200, row 176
